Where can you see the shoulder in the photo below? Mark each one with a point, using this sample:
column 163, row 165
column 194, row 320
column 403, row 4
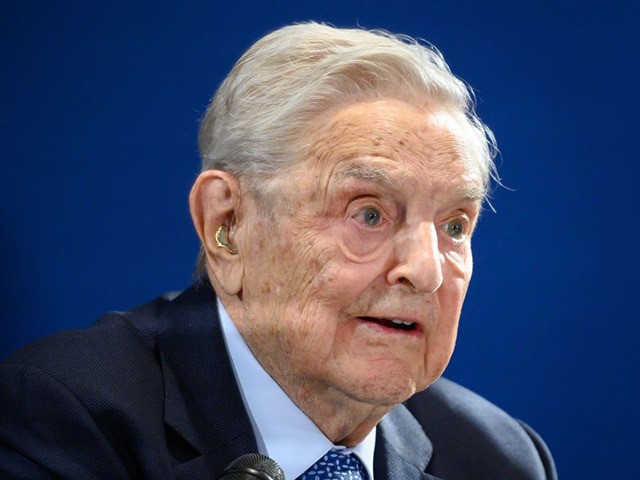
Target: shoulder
column 116, row 357
column 119, row 348
column 472, row 438
column 112, row 359
column 99, row 388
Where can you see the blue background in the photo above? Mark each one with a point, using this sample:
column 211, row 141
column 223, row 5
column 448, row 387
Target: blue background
column 100, row 103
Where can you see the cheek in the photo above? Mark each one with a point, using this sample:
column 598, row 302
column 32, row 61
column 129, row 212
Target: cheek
column 459, row 261
column 320, row 316
column 459, row 267
column 281, row 263
column 298, row 292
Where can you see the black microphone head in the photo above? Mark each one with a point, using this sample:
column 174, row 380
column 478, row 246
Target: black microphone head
column 252, row 466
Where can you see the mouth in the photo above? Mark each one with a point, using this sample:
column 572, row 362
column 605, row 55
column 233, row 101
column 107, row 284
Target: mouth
column 392, row 323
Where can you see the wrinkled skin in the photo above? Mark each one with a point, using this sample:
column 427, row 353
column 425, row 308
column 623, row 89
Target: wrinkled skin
column 377, row 226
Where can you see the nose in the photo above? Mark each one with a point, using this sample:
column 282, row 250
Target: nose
column 419, row 262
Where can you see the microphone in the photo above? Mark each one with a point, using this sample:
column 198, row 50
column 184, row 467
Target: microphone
column 252, row 466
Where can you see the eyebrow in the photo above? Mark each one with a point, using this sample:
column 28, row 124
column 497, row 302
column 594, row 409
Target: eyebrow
column 364, row 172
column 471, row 192
column 466, row 192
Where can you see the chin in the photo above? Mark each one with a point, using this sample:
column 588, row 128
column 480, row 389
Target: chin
column 384, row 389
column 388, row 395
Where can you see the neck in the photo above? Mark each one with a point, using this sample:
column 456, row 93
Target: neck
column 343, row 420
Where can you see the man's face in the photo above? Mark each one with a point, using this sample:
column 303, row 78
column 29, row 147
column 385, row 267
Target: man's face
column 356, row 288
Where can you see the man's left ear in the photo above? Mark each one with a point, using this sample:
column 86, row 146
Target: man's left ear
column 214, row 202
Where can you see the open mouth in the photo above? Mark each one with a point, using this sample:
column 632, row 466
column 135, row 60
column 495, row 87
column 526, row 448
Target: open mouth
column 391, row 323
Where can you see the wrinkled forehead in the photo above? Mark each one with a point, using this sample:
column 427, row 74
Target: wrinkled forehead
column 370, row 140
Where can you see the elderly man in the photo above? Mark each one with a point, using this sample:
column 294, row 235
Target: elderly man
column 343, row 176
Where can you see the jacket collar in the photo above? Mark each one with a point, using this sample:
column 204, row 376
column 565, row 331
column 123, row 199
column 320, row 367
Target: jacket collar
column 402, row 448
column 202, row 401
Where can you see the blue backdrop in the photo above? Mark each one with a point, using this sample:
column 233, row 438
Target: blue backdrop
column 100, row 103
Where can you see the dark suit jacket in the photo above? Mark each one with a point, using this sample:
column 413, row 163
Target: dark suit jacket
column 150, row 393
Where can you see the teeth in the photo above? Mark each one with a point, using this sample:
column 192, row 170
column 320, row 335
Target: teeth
column 400, row 322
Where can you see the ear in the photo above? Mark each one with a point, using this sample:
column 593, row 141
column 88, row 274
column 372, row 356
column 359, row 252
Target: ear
column 214, row 201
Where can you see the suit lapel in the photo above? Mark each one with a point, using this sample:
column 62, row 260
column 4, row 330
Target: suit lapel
column 202, row 402
column 403, row 451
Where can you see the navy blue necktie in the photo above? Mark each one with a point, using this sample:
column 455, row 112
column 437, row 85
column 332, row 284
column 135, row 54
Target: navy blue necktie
column 336, row 466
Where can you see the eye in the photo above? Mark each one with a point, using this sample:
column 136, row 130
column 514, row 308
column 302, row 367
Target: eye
column 455, row 228
column 369, row 215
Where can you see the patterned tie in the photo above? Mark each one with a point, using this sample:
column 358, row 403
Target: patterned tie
column 336, row 466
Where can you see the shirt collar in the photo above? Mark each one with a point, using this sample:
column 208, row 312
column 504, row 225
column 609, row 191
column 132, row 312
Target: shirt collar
column 283, row 432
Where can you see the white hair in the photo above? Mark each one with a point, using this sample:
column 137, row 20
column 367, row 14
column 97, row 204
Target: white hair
column 254, row 127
